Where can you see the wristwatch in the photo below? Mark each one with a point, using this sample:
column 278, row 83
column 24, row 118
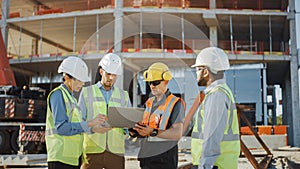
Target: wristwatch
column 154, row 133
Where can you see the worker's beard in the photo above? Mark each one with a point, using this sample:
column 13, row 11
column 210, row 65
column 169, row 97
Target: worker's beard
column 108, row 84
column 202, row 82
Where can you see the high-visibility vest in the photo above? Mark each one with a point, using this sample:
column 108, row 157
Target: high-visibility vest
column 95, row 103
column 159, row 119
column 230, row 145
column 65, row 149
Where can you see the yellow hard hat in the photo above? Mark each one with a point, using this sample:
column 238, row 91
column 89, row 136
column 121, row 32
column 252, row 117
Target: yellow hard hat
column 157, row 71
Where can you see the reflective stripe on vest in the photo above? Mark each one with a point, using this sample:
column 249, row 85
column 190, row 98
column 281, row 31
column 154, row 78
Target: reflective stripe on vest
column 112, row 140
column 227, row 137
column 66, row 149
column 160, row 117
column 162, row 114
column 230, row 144
column 91, row 98
column 70, row 105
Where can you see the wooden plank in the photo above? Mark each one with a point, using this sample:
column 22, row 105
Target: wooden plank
column 249, row 156
column 266, row 161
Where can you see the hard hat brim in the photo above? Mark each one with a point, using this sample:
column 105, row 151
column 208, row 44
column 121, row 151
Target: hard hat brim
column 193, row 66
column 86, row 79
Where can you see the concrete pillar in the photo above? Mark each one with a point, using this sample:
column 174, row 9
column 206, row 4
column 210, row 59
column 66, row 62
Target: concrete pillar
column 3, row 24
column 285, row 89
column 295, row 113
column 212, row 22
column 134, row 90
column 118, row 34
column 212, row 4
column 136, row 44
column 74, row 33
column 274, row 98
column 264, row 87
column 287, row 116
column 213, row 35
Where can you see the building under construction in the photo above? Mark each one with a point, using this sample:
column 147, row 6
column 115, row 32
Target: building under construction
column 259, row 37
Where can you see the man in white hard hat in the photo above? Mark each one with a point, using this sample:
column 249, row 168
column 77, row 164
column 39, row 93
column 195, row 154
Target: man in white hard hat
column 215, row 136
column 104, row 149
column 64, row 122
column 161, row 127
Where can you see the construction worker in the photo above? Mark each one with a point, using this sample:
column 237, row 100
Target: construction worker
column 104, row 149
column 64, row 123
column 215, row 136
column 162, row 122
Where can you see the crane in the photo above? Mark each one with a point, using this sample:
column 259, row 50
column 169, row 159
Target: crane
column 19, row 108
column 6, row 74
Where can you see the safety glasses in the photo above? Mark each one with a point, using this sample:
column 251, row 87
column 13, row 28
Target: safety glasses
column 154, row 83
column 198, row 69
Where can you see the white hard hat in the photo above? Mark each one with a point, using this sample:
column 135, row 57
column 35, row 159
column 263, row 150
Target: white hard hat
column 75, row 67
column 214, row 58
column 111, row 63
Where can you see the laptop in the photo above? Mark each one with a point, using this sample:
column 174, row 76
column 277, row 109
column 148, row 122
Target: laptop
column 124, row 117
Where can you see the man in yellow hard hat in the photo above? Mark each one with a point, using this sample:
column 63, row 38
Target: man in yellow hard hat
column 105, row 149
column 215, row 136
column 161, row 127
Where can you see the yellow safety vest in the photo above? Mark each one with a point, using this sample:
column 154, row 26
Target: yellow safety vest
column 65, row 149
column 230, row 145
column 112, row 140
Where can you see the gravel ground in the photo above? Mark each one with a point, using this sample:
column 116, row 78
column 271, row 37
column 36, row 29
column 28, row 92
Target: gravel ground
column 283, row 158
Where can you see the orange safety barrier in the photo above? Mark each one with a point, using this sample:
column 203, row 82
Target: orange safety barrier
column 246, row 131
column 157, row 50
column 264, row 130
column 55, row 54
column 125, row 50
column 280, row 129
column 277, row 129
column 49, row 11
column 13, row 15
column 189, row 51
column 260, row 53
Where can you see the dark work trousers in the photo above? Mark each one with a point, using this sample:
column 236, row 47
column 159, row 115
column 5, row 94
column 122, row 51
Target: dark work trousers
column 59, row 165
column 166, row 160
column 106, row 160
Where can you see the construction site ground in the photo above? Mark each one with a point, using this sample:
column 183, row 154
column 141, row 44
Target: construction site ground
column 283, row 158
